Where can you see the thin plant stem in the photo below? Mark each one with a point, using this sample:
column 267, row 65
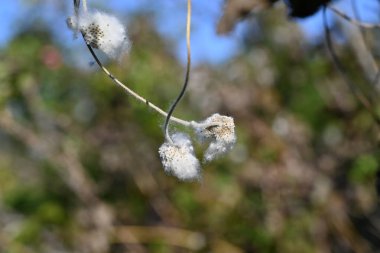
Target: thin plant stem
column 76, row 7
column 187, row 75
column 131, row 92
column 339, row 66
column 84, row 3
column 121, row 84
column 368, row 54
column 352, row 20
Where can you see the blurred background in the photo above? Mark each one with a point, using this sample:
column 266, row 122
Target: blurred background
column 79, row 167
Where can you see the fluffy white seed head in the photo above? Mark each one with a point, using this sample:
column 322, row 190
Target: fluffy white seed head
column 178, row 158
column 219, row 130
column 102, row 31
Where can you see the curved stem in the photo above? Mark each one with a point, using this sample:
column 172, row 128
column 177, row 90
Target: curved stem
column 119, row 83
column 131, row 92
column 187, row 75
column 369, row 64
column 339, row 66
column 84, row 3
column 352, row 20
column 76, row 7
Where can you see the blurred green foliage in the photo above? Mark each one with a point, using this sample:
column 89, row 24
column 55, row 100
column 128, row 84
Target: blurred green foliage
column 364, row 169
column 79, row 169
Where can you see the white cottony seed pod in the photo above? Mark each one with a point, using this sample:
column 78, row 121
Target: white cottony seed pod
column 178, row 158
column 102, row 31
column 219, row 130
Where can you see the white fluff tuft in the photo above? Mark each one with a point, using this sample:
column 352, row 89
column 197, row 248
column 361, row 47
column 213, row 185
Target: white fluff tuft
column 179, row 159
column 219, row 130
column 102, row 31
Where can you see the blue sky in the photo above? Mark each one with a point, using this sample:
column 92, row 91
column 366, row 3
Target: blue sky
column 207, row 46
column 8, row 12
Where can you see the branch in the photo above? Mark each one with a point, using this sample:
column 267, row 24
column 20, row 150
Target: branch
column 339, row 66
column 352, row 20
column 130, row 91
column 187, row 75
column 119, row 83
